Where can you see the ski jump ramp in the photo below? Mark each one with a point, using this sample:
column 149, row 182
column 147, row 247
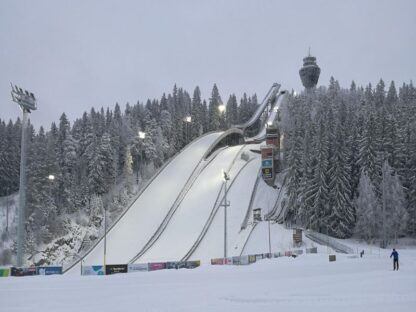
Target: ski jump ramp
column 179, row 213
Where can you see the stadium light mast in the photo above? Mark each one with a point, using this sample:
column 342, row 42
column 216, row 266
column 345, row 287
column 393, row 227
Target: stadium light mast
column 27, row 102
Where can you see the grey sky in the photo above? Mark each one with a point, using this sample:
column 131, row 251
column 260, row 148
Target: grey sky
column 78, row 54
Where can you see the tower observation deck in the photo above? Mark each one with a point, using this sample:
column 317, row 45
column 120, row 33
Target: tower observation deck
column 309, row 73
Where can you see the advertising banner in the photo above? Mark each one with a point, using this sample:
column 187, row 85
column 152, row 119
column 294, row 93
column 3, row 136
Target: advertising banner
column 115, row 269
column 4, row 272
column 172, row 265
column 288, row 253
column 192, row 264
column 157, row 266
column 48, row 270
column 229, row 261
column 23, row 271
column 217, row 261
column 251, row 258
column 236, row 260
column 137, row 267
column 298, row 252
column 93, row 270
column 259, row 257
column 244, row 260
column 312, row 250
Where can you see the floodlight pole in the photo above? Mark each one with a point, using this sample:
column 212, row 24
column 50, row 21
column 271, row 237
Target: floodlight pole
column 226, row 204
column 26, row 102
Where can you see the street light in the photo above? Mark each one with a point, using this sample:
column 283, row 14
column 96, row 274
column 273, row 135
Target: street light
column 142, row 136
column 27, row 102
column 226, row 178
column 51, row 177
column 187, row 119
column 221, row 108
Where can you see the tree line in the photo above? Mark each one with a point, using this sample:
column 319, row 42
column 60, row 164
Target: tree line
column 99, row 161
column 350, row 156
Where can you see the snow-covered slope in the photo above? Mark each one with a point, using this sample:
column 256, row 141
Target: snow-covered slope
column 135, row 228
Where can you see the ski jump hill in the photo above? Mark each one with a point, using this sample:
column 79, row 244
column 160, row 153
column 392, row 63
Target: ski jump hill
column 179, row 214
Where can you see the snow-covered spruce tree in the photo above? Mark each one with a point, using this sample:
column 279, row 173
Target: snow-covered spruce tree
column 317, row 194
column 341, row 218
column 368, row 210
column 196, row 126
column 231, row 112
column 394, row 213
column 214, row 114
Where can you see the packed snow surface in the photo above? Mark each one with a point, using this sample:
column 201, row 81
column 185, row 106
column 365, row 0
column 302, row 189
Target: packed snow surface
column 306, row 283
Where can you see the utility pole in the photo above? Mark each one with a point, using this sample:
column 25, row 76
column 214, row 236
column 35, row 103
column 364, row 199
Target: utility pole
column 27, row 102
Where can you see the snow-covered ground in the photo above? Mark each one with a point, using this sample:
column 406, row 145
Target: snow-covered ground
column 306, row 283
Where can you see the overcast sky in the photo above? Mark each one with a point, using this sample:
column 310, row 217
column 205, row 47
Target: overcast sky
column 78, row 54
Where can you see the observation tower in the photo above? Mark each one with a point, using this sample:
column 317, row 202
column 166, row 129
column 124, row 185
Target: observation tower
column 309, row 73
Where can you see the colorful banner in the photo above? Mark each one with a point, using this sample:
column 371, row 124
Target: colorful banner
column 244, row 260
column 48, row 270
column 138, row 267
column 93, row 270
column 157, row 266
column 4, row 272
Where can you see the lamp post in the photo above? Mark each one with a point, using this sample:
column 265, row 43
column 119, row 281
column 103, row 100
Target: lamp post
column 225, row 204
column 27, row 102
column 142, row 136
column 188, row 119
column 51, row 178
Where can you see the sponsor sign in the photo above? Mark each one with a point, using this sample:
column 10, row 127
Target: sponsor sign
column 229, row 261
column 218, row 261
column 192, row 264
column 236, row 260
column 172, row 265
column 4, row 272
column 298, row 252
column 23, row 271
column 259, row 257
column 93, row 270
column 48, row 270
column 244, row 260
column 267, row 173
column 138, row 267
column 288, row 253
column 251, row 258
column 312, row 250
column 267, row 153
column 115, row 269
column 157, row 266
column 267, row 163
